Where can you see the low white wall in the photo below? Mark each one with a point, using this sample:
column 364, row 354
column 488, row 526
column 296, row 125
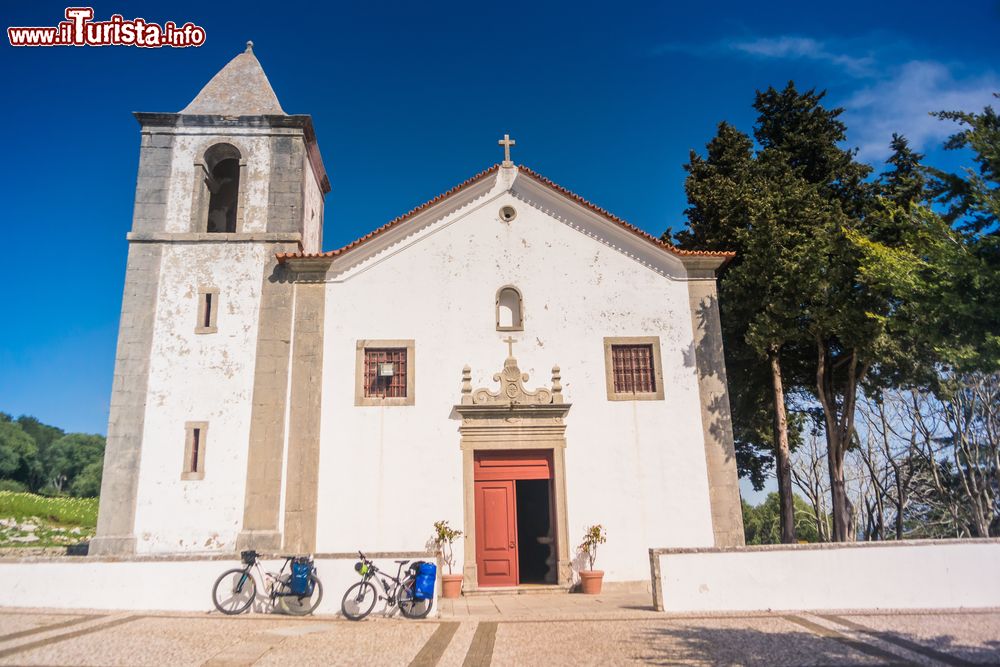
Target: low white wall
column 168, row 584
column 899, row 575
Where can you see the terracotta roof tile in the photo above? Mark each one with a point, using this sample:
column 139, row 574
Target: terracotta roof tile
column 532, row 174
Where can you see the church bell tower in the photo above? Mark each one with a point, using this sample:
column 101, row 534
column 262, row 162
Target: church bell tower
column 223, row 185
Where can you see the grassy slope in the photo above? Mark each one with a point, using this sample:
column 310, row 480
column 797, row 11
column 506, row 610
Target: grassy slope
column 57, row 521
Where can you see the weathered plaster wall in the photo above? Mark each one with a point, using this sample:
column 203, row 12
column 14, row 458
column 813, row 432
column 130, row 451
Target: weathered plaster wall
column 638, row 467
column 199, row 377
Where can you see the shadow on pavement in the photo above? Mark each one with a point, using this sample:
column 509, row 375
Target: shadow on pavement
column 746, row 646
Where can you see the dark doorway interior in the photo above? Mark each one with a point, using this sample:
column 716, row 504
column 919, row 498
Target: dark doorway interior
column 532, row 522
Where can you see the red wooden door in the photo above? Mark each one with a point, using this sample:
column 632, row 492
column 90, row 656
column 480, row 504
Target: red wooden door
column 496, row 533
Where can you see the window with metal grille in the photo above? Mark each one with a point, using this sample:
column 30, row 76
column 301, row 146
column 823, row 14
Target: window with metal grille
column 633, row 369
column 385, row 373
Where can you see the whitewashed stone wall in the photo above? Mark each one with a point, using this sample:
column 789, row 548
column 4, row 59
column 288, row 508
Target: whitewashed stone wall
column 166, row 584
column 909, row 574
column 637, row 467
column 199, row 377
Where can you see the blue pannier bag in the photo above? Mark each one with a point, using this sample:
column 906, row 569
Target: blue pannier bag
column 301, row 569
column 423, row 588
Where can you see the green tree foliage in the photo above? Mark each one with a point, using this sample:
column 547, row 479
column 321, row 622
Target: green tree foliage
column 761, row 524
column 18, row 453
column 38, row 457
column 940, row 269
column 68, row 456
column 795, row 211
column 733, row 207
column 973, row 200
column 43, row 435
column 88, row 483
column 905, row 182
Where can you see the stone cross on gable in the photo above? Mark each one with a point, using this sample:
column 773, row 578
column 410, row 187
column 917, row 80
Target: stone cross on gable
column 510, row 345
column 506, row 142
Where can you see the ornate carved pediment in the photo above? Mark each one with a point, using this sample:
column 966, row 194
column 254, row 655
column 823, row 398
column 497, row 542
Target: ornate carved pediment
column 512, row 390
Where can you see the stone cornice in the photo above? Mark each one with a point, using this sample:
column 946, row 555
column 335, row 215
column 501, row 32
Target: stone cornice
column 510, row 412
column 301, row 122
column 703, row 268
column 203, row 237
column 819, row 546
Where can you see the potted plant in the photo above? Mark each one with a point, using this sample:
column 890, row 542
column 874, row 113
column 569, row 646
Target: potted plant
column 444, row 537
column 591, row 579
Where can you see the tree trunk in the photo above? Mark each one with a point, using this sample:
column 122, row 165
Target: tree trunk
column 839, row 418
column 782, row 453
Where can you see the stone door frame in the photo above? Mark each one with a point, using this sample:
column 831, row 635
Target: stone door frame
column 513, row 427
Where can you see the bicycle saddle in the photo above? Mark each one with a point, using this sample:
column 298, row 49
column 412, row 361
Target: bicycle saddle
column 401, row 562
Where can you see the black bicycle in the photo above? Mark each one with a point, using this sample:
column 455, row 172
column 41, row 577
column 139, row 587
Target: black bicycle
column 360, row 599
column 236, row 589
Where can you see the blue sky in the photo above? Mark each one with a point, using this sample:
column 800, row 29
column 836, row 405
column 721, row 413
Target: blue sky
column 409, row 99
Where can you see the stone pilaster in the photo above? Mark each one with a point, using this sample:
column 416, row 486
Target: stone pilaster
column 120, row 483
column 302, row 482
column 716, row 419
column 266, row 448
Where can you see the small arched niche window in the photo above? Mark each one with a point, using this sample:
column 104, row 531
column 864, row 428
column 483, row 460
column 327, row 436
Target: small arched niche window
column 510, row 309
column 222, row 177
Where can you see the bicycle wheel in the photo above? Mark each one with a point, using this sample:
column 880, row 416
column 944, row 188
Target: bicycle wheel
column 234, row 592
column 409, row 606
column 359, row 600
column 301, row 605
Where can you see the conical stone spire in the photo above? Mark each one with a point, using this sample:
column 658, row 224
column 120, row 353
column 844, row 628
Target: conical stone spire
column 239, row 89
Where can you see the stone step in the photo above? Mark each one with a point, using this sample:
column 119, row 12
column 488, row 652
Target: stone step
column 529, row 589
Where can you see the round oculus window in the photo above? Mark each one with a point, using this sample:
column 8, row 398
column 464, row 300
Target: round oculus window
column 508, row 213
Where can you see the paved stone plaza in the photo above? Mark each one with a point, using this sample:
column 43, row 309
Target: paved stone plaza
column 504, row 630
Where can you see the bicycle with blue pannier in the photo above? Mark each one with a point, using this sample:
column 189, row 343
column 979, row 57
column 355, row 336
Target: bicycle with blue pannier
column 412, row 592
column 297, row 592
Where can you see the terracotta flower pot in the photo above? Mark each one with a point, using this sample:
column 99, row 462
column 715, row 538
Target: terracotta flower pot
column 590, row 581
column 451, row 585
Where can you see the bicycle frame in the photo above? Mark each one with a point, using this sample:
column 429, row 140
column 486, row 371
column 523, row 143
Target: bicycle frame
column 397, row 582
column 270, row 583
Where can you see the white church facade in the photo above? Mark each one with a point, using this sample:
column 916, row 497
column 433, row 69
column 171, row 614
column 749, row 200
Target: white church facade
column 507, row 357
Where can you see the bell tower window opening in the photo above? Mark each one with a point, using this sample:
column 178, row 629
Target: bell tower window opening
column 222, row 179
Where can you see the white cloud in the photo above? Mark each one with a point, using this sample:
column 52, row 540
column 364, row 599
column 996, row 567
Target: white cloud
column 885, row 92
column 902, row 102
column 803, row 48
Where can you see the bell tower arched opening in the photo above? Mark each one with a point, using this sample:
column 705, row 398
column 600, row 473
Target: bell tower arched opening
column 222, row 177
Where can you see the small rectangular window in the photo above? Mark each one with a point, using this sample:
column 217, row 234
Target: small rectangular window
column 194, row 450
column 633, row 368
column 384, row 373
column 206, row 321
column 208, row 308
